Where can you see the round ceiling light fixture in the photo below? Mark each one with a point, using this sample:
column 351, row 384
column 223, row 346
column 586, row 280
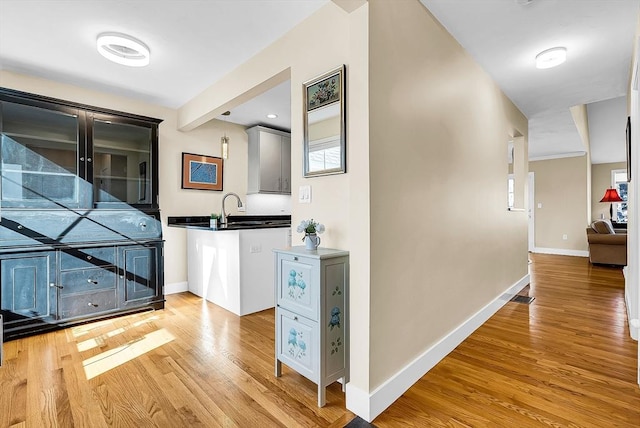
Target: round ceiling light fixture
column 551, row 57
column 272, row 116
column 123, row 49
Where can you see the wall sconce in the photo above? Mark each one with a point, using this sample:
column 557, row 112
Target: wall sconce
column 224, row 141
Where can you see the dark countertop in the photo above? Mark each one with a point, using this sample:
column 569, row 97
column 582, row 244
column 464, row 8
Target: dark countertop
column 240, row 222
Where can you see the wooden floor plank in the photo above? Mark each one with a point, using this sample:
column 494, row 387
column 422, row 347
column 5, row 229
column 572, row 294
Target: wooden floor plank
column 565, row 360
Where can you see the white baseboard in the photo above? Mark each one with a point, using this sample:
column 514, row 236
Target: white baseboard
column 369, row 406
column 176, row 287
column 561, row 252
column 634, row 323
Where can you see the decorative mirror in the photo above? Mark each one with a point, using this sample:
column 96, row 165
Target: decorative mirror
column 324, row 124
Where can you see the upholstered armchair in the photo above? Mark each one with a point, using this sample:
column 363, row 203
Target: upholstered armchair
column 606, row 246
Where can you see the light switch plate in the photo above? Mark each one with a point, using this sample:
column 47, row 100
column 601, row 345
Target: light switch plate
column 304, row 194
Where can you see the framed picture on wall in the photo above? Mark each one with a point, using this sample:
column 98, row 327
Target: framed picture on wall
column 326, row 91
column 201, row 172
column 628, row 148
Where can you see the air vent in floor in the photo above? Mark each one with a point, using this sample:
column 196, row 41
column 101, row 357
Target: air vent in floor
column 522, row 299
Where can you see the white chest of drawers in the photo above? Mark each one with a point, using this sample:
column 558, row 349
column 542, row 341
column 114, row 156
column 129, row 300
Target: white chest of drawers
column 312, row 319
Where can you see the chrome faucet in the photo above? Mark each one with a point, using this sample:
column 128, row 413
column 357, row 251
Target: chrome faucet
column 223, row 220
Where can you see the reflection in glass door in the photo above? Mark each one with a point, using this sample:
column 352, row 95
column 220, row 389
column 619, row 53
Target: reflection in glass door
column 121, row 162
column 39, row 156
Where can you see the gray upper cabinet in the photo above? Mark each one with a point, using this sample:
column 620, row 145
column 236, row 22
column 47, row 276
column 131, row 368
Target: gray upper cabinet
column 269, row 161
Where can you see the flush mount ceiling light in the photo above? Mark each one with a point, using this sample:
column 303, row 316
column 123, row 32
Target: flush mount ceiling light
column 272, row 116
column 123, row 49
column 551, row 57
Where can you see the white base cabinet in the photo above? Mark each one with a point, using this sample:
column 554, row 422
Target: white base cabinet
column 312, row 320
column 234, row 268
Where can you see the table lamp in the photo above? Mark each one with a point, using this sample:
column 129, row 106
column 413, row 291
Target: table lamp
column 611, row 195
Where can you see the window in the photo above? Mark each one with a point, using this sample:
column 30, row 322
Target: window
column 619, row 182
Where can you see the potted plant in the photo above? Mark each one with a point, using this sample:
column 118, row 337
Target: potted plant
column 311, row 229
column 213, row 222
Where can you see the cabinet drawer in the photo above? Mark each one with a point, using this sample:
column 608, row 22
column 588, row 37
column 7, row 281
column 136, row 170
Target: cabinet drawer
column 82, row 258
column 297, row 286
column 87, row 280
column 87, row 304
column 298, row 343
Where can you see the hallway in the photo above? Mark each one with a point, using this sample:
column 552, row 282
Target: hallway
column 565, row 360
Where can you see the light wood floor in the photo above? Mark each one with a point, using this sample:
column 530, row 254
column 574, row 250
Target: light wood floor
column 566, row 360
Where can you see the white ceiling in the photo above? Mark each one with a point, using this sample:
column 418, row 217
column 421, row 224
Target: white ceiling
column 195, row 42
column 504, row 36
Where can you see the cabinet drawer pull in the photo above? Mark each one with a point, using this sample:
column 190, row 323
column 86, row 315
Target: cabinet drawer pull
column 89, row 257
column 20, row 227
column 88, row 159
column 295, row 259
column 81, row 158
column 93, row 304
column 295, row 318
column 92, row 281
column 54, row 285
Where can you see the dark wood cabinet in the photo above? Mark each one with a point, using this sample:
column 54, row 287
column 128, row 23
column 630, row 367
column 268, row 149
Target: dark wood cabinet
column 80, row 232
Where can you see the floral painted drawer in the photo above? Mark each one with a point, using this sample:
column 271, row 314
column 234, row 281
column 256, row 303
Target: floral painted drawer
column 298, row 343
column 298, row 285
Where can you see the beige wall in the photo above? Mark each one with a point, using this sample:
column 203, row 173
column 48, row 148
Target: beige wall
column 173, row 200
column 560, row 188
column 600, row 182
column 443, row 244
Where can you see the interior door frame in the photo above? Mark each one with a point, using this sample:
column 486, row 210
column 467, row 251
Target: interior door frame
column 531, row 213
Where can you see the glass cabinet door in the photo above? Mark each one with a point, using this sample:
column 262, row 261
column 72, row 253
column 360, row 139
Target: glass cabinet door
column 39, row 157
column 122, row 168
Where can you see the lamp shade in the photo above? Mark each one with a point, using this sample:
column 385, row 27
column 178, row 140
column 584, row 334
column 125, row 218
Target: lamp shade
column 611, row 195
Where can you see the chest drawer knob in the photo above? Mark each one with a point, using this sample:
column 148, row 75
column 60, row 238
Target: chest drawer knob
column 89, row 257
column 295, row 259
column 92, row 281
column 20, row 227
column 54, row 285
column 93, row 304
